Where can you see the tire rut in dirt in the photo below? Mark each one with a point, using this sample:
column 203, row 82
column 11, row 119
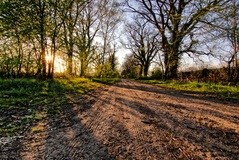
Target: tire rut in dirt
column 136, row 127
column 86, row 144
column 171, row 119
column 136, row 123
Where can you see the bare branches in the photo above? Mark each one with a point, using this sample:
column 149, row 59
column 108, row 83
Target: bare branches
column 174, row 21
column 143, row 43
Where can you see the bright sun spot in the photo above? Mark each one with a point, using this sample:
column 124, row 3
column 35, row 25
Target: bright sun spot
column 48, row 58
column 59, row 63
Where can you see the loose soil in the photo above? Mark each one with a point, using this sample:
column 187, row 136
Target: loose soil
column 131, row 120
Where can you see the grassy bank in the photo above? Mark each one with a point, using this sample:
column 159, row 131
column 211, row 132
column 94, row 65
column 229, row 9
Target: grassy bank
column 106, row 80
column 24, row 101
column 222, row 91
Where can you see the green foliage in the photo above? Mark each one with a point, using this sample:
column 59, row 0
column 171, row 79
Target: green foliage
column 129, row 68
column 222, row 91
column 157, row 74
column 24, row 101
column 144, row 78
column 107, row 70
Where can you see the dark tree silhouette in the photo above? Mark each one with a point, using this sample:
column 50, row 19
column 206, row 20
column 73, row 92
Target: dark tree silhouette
column 143, row 44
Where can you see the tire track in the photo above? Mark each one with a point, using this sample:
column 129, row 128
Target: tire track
column 91, row 120
column 175, row 122
column 134, row 123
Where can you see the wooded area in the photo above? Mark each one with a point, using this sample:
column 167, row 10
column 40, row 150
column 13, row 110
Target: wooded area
column 82, row 37
column 36, row 35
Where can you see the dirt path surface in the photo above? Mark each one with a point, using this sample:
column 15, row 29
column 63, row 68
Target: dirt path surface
column 130, row 120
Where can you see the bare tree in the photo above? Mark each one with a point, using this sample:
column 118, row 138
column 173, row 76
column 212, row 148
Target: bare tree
column 232, row 30
column 143, row 43
column 225, row 29
column 176, row 22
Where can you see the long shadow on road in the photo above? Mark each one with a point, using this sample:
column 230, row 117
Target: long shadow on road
column 162, row 90
column 65, row 136
column 90, row 129
column 181, row 120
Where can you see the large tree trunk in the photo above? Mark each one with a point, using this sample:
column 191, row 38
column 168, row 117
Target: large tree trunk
column 146, row 69
column 166, row 64
column 43, row 37
column 83, row 68
column 43, row 53
column 52, row 62
column 141, row 70
column 70, row 54
column 174, row 64
column 69, row 63
column 20, row 57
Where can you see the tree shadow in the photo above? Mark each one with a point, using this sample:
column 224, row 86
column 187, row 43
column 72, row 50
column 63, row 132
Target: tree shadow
column 183, row 94
column 199, row 131
column 64, row 135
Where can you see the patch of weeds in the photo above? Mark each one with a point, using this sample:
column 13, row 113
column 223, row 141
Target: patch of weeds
column 54, row 110
column 155, row 82
column 38, row 128
column 10, row 129
column 196, row 85
column 80, row 85
column 40, row 115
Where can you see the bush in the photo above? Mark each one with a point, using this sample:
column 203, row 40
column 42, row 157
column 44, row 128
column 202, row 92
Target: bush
column 157, row 74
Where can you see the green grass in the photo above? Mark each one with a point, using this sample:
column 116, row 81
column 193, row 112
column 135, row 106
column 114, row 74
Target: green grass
column 106, row 80
column 23, row 101
column 222, row 91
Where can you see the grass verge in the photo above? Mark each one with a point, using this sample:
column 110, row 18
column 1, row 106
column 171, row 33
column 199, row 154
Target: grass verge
column 24, row 101
column 106, row 80
column 221, row 91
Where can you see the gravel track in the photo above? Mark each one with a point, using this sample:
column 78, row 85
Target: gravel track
column 131, row 120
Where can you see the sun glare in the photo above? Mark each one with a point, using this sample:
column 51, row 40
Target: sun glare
column 48, row 58
column 60, row 65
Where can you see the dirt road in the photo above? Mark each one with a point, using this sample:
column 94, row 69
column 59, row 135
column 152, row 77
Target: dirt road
column 130, row 120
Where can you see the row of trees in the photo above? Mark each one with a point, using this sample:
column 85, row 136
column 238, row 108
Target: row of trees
column 81, row 33
column 170, row 29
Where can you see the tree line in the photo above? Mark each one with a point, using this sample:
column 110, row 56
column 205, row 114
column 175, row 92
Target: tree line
column 35, row 32
column 84, row 34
